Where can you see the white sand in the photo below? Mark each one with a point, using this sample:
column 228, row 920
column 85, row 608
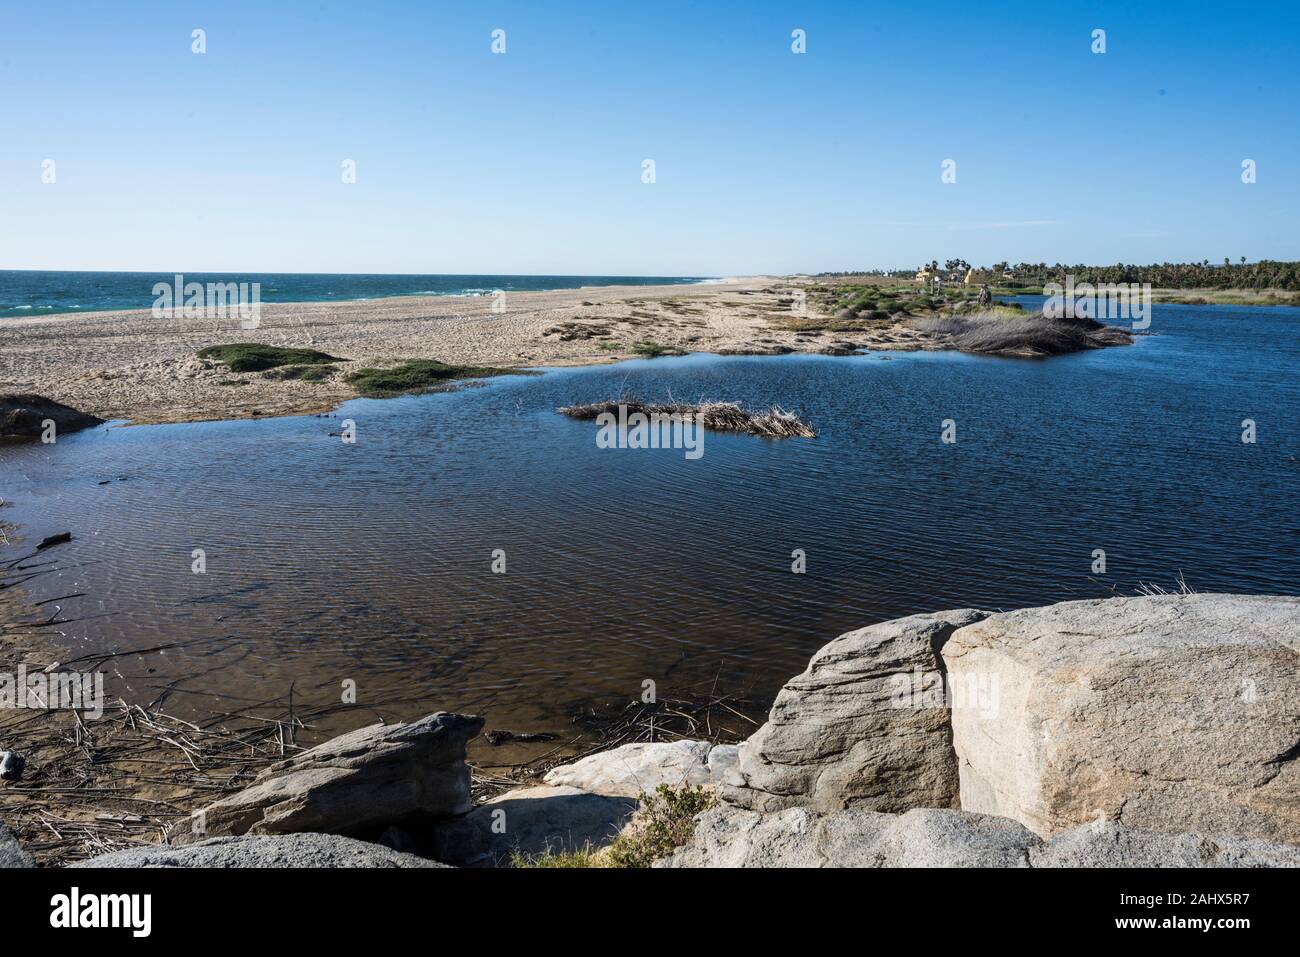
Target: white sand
column 131, row 365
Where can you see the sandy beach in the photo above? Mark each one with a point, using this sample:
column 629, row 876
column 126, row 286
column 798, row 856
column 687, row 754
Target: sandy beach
column 132, row 365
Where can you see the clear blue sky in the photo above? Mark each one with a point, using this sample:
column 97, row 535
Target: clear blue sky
column 530, row 162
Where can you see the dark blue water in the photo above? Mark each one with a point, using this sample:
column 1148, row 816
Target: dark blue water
column 36, row 293
column 372, row 561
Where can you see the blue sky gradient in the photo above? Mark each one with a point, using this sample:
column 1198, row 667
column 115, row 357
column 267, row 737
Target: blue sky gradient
column 767, row 161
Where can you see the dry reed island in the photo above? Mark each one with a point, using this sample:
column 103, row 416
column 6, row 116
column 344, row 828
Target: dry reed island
column 1153, row 731
column 308, row 357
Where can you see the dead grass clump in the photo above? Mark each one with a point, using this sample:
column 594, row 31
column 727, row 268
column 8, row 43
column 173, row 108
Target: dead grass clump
column 998, row 333
column 569, row 331
column 717, row 416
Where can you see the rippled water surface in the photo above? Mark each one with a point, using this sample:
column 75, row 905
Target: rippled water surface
column 372, row 562
column 26, row 293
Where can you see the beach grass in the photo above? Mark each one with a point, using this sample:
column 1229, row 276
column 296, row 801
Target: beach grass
column 555, row 859
column 418, row 375
column 653, row 350
column 256, row 357
column 302, row 373
column 664, row 822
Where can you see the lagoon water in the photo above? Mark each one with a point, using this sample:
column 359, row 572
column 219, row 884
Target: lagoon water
column 373, row 561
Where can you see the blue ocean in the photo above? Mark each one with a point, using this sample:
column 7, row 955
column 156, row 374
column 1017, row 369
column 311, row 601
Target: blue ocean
column 47, row 292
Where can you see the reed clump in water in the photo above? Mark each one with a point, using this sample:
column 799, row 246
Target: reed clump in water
column 775, row 423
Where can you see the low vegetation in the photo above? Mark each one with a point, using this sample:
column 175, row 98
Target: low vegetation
column 873, row 306
column 717, row 416
column 653, row 350
column 664, row 822
column 317, row 373
column 255, row 357
column 418, row 375
column 1227, row 297
column 585, row 857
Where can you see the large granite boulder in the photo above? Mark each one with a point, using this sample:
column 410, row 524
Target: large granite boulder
column 1107, row 844
column 11, row 852
column 284, row 850
column 799, row 837
column 356, row 784
column 865, row 726
column 23, row 417
column 636, row 769
column 728, row 836
column 1172, row 713
column 531, row 821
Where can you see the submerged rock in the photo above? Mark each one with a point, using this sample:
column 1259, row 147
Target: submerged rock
column 285, row 850
column 358, row 783
column 1171, row 713
column 24, row 417
column 840, row 736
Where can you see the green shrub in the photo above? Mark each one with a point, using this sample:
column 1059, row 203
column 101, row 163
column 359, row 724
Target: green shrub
column 318, row 373
column 255, row 357
column 665, row 821
column 418, row 375
column 653, row 350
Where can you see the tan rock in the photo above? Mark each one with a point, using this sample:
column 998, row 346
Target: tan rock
column 839, row 735
column 356, row 783
column 636, row 769
column 1170, row 713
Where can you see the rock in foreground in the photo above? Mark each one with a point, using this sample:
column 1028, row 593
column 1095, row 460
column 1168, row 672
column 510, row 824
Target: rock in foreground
column 286, row 850
column 797, row 837
column 636, row 769
column 839, row 735
column 1171, row 713
column 354, row 784
column 23, row 417
column 11, row 852
column 531, row 821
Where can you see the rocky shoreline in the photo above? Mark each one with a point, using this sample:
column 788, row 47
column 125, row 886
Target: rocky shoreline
column 1158, row 731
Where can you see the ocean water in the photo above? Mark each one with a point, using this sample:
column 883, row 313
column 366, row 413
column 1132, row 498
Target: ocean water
column 373, row 561
column 34, row 293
